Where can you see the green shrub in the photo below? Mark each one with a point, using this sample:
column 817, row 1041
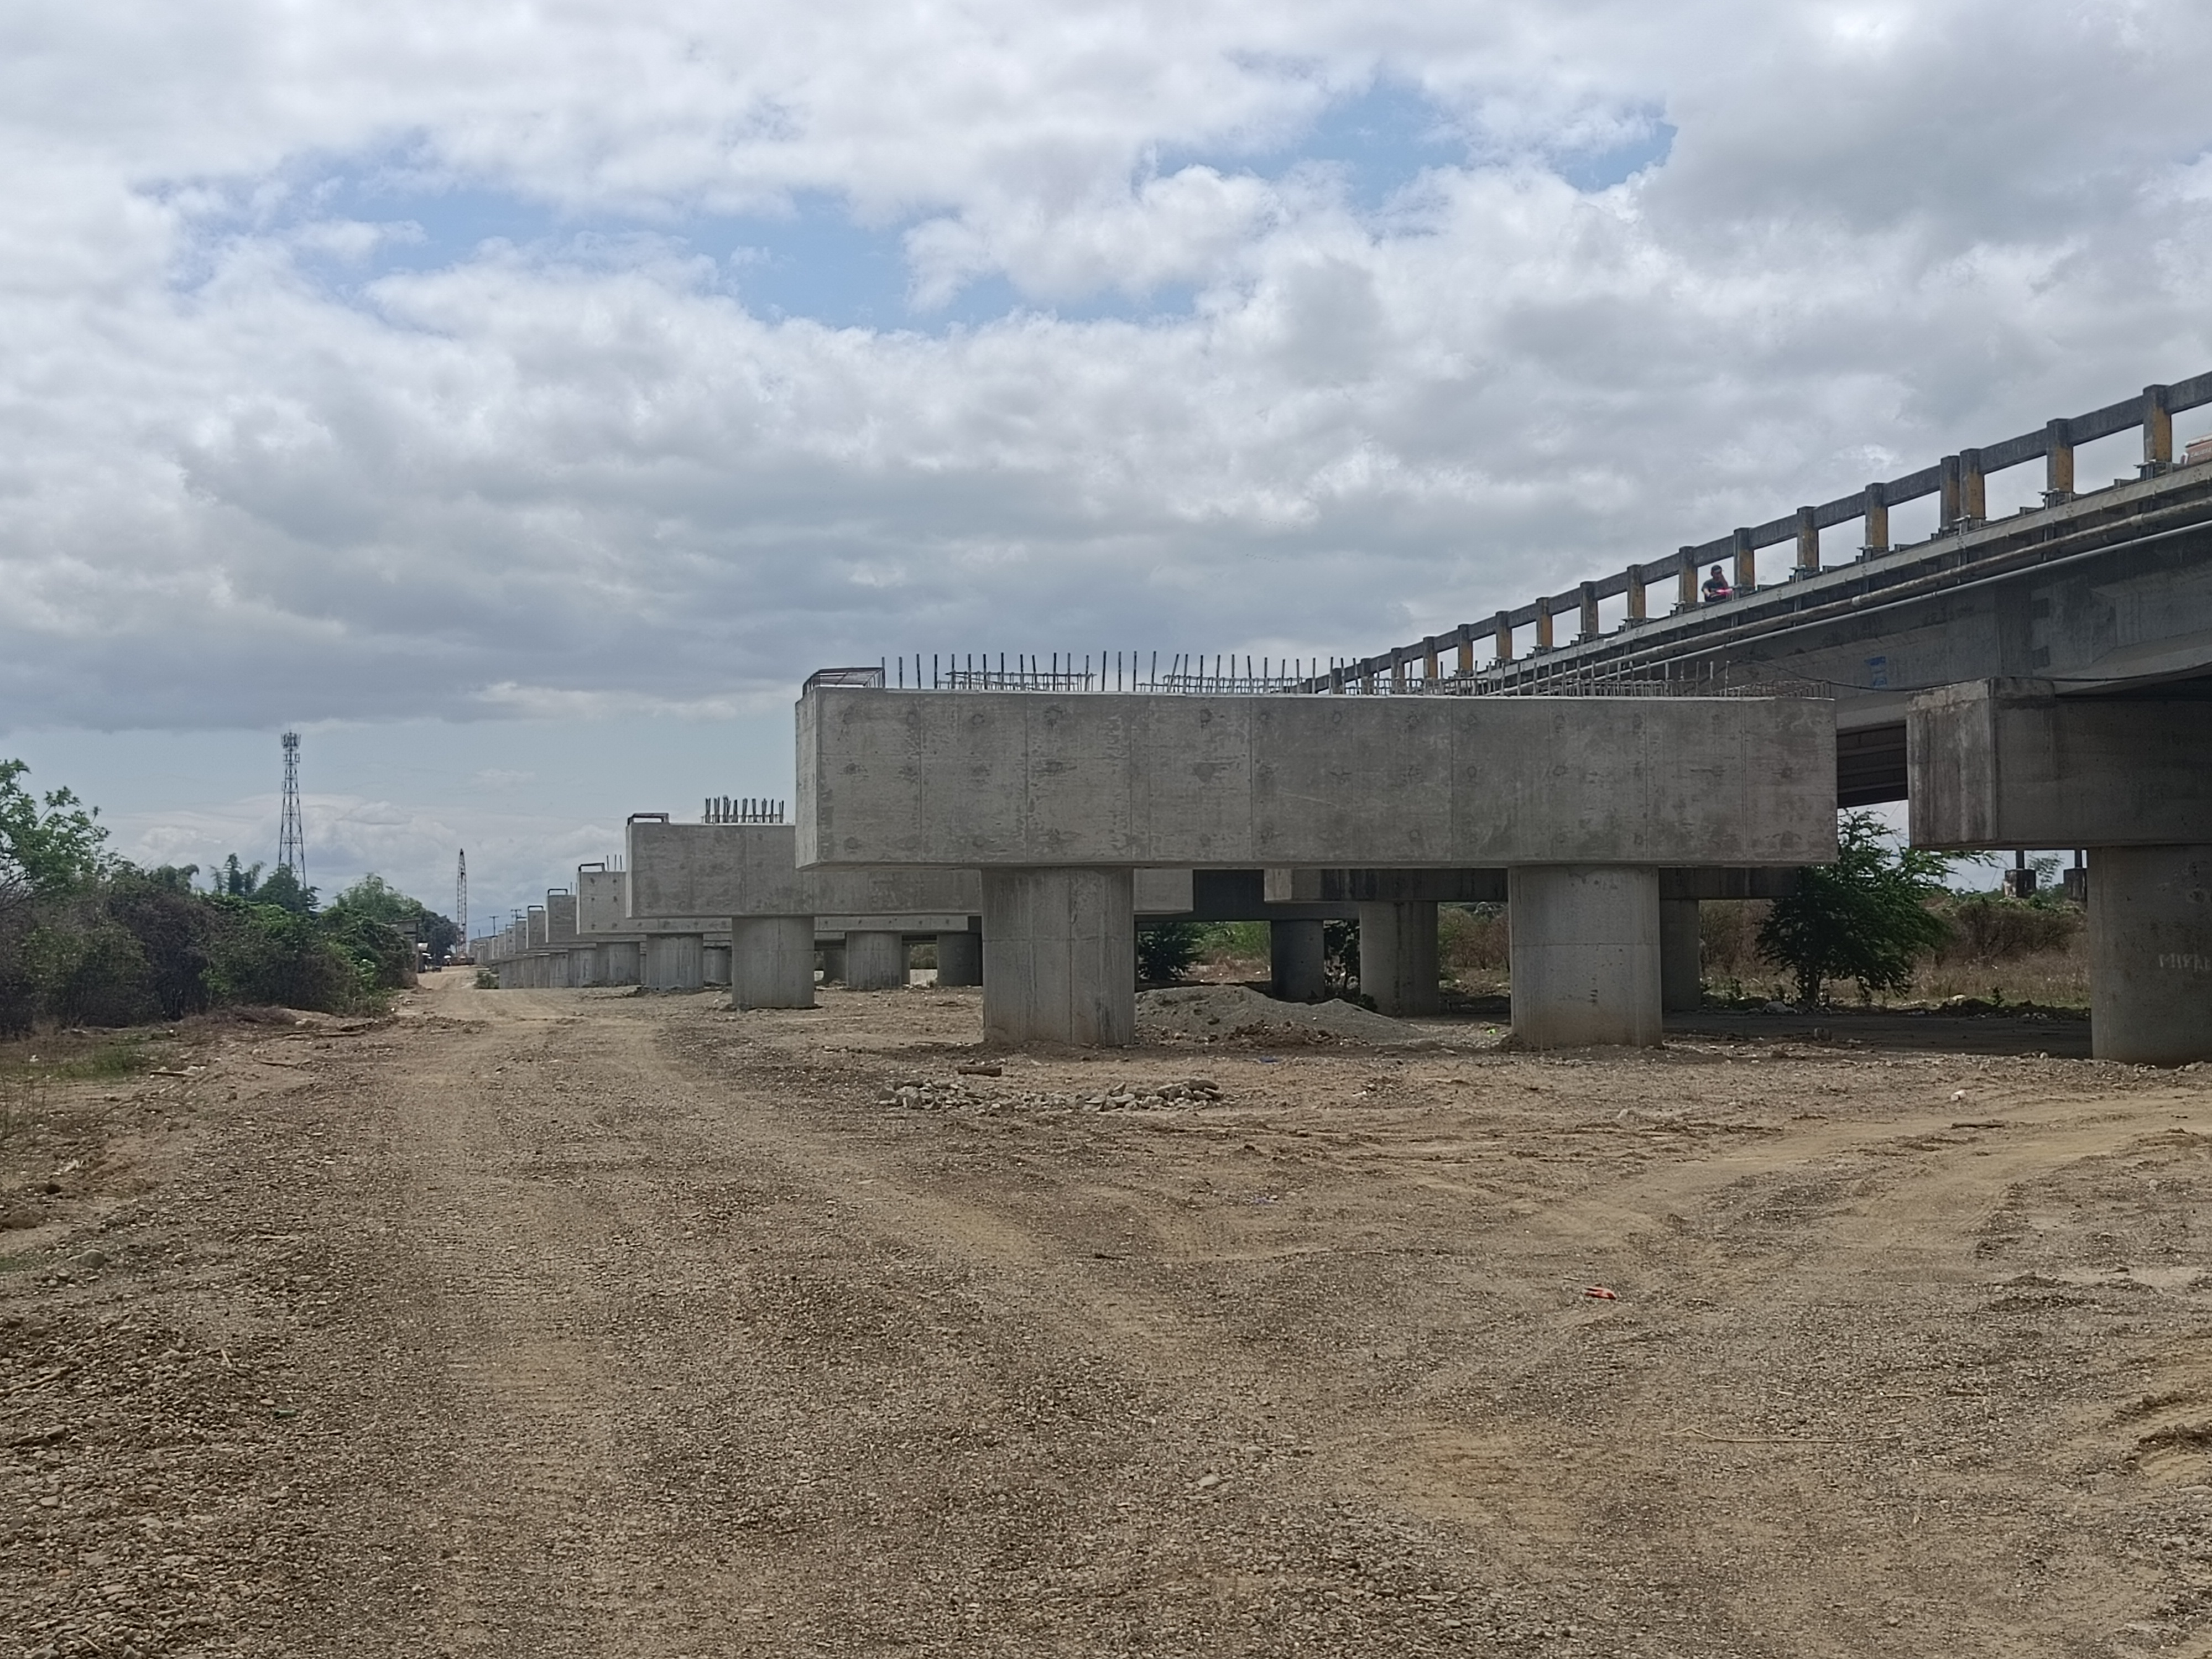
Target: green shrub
column 1473, row 941
column 1991, row 927
column 263, row 954
column 1865, row 917
column 1340, row 954
column 1165, row 950
column 91, row 973
column 174, row 927
column 1233, row 941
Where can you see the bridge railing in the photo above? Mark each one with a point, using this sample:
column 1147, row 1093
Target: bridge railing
column 1959, row 480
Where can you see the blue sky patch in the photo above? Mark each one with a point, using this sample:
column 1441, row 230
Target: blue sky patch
column 1603, row 169
column 818, row 262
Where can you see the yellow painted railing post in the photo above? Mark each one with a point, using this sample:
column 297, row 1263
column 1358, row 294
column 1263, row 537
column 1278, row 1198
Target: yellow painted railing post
column 2058, row 464
column 1877, row 519
column 2158, row 432
column 1973, row 492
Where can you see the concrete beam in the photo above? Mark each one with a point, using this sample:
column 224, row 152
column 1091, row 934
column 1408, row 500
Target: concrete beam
column 751, row 870
column 2002, row 764
column 1488, row 886
column 977, row 778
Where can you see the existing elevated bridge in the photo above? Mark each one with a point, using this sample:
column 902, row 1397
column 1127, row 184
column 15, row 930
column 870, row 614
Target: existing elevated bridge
column 2042, row 679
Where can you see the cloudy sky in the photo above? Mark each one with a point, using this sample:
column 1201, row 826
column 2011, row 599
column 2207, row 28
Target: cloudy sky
column 522, row 399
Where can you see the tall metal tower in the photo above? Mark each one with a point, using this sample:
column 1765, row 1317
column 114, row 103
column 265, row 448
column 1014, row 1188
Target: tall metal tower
column 291, row 839
column 461, row 898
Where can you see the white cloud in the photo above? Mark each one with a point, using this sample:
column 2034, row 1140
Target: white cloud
column 256, row 468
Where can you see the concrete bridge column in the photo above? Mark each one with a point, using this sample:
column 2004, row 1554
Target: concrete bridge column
column 1398, row 958
column 771, row 962
column 618, row 963
column 1296, row 956
column 960, row 958
column 1059, row 956
column 833, row 964
column 672, row 962
column 1681, row 959
column 584, row 965
column 1586, row 954
column 875, row 962
column 2150, row 954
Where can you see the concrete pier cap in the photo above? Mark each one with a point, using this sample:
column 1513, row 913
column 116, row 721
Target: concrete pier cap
column 1028, row 787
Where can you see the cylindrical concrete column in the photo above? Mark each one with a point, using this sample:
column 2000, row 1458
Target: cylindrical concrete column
column 618, row 963
column 1398, row 958
column 672, row 962
column 584, row 965
column 833, row 963
column 771, row 962
column 875, row 962
column 1059, row 956
column 1586, row 957
column 1681, row 957
column 960, row 958
column 1297, row 961
column 2150, row 954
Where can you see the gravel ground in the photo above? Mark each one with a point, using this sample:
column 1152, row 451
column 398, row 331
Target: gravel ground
column 573, row 1322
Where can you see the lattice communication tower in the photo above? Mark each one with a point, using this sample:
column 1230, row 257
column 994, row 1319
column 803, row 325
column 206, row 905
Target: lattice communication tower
column 291, row 839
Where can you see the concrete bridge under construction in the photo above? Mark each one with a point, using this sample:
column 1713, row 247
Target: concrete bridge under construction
column 2042, row 679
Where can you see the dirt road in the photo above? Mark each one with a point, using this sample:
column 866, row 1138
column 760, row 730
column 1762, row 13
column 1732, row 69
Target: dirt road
column 581, row 1323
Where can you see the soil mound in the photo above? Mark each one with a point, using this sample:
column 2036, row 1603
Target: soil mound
column 1218, row 1013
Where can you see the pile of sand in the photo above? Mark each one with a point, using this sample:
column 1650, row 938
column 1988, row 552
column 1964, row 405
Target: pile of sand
column 1214, row 1012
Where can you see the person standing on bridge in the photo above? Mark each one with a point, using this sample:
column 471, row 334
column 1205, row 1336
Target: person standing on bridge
column 1716, row 587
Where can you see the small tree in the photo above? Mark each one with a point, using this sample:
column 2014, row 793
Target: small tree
column 1165, row 950
column 1865, row 917
column 54, row 851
